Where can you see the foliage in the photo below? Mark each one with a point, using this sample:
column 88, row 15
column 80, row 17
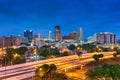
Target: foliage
column 71, row 47
column 105, row 49
column 44, row 51
column 46, row 72
column 47, row 51
column 79, row 54
column 106, row 71
column 66, row 53
column 90, row 47
column 117, row 53
column 22, row 50
column 97, row 56
column 14, row 56
column 55, row 52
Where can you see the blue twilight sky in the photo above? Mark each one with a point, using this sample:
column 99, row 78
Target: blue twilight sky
column 93, row 16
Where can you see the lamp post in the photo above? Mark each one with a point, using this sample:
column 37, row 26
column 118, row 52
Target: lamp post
column 5, row 64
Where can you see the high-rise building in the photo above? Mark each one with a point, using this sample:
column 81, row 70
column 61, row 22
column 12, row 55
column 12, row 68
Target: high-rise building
column 73, row 35
column 50, row 35
column 10, row 41
column 57, row 33
column 37, row 39
column 80, row 34
column 28, row 34
column 106, row 38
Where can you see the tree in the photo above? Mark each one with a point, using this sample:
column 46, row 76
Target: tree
column 55, row 52
column 79, row 54
column 90, row 47
column 10, row 52
column 66, row 53
column 48, row 72
column 13, row 57
column 6, row 61
column 106, row 71
column 117, row 53
column 52, row 70
column 97, row 56
column 42, row 71
column 71, row 47
column 44, row 51
column 22, row 50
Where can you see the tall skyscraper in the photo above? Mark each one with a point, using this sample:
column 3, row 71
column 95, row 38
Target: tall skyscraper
column 28, row 34
column 80, row 34
column 57, row 33
column 50, row 35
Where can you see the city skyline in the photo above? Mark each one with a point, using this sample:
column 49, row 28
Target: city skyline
column 41, row 16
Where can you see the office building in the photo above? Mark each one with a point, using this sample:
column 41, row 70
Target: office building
column 57, row 33
column 50, row 35
column 80, row 34
column 106, row 38
column 28, row 34
column 10, row 41
column 73, row 35
column 37, row 40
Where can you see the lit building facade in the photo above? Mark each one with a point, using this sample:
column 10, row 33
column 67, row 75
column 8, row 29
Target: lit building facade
column 80, row 34
column 73, row 35
column 57, row 33
column 50, row 35
column 105, row 38
column 37, row 40
column 28, row 34
column 10, row 41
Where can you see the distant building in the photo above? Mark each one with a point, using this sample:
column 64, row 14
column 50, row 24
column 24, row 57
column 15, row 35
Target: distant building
column 68, row 39
column 57, row 33
column 28, row 34
column 37, row 39
column 50, row 35
column 106, row 38
column 23, row 39
column 73, row 35
column 80, row 34
column 91, row 39
column 10, row 41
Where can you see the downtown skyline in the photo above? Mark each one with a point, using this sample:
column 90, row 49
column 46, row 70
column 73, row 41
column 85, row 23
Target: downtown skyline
column 42, row 15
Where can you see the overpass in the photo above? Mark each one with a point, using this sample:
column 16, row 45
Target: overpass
column 26, row 70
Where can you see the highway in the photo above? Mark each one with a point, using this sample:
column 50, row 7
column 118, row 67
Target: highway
column 26, row 70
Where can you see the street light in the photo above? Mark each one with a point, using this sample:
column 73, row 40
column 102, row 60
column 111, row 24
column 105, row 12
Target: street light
column 35, row 52
column 112, row 48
